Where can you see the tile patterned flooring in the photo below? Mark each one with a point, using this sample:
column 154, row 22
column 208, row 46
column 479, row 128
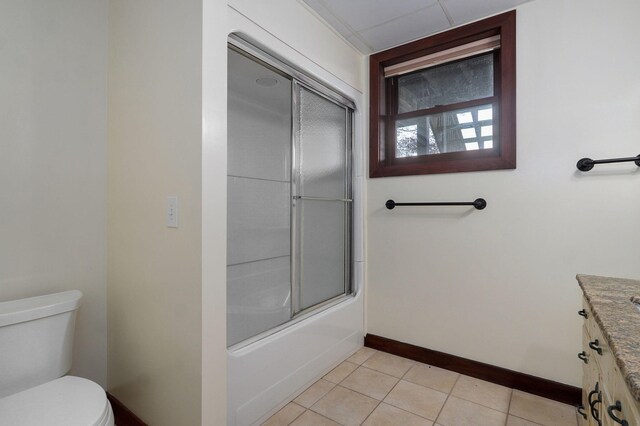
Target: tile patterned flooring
column 373, row 388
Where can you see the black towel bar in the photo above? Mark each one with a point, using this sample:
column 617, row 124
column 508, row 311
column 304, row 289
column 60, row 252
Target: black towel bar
column 478, row 203
column 586, row 164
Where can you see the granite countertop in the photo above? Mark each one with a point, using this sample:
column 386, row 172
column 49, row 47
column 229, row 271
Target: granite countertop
column 619, row 319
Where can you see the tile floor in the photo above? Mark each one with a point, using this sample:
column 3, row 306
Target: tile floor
column 374, row 388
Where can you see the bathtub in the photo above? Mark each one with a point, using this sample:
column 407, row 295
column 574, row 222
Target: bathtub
column 265, row 375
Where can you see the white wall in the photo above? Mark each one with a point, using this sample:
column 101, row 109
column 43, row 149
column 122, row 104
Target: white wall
column 53, row 59
column 155, row 151
column 498, row 285
column 214, row 218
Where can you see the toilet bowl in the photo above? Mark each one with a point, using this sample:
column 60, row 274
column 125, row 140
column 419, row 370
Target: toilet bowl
column 36, row 337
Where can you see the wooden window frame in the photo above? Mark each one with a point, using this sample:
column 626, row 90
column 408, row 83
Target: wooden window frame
column 382, row 160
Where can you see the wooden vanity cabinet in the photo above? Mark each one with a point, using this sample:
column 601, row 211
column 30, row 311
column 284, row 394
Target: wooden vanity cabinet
column 606, row 398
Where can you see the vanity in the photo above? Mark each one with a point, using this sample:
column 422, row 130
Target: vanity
column 611, row 351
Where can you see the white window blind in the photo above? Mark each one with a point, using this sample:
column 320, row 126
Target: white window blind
column 459, row 52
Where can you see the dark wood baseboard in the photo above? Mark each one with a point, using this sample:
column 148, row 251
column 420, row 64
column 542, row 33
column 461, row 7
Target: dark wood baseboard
column 513, row 379
column 123, row 416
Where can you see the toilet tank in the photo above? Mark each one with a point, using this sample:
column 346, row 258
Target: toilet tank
column 36, row 339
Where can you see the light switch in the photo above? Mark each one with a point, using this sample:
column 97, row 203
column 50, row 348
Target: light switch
column 172, row 212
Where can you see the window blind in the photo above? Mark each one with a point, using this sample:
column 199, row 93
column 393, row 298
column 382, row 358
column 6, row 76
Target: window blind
column 459, row 52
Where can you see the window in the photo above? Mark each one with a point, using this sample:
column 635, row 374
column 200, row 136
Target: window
column 445, row 103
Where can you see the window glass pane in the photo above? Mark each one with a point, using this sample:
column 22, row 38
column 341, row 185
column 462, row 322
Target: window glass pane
column 465, row 129
column 459, row 81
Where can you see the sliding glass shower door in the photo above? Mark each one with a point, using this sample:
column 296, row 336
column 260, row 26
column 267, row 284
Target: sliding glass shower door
column 321, row 199
column 289, row 195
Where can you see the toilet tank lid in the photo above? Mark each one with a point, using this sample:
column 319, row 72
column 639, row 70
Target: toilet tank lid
column 31, row 308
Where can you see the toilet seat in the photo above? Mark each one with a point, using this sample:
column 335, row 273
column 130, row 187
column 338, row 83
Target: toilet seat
column 67, row 401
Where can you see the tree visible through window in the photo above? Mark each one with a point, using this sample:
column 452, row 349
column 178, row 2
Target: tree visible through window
column 407, row 142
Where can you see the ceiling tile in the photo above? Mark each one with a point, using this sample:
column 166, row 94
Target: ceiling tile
column 407, row 28
column 329, row 17
column 362, row 14
column 381, row 24
column 463, row 11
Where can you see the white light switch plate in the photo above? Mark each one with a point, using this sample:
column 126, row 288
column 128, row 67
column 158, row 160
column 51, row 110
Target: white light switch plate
column 172, row 212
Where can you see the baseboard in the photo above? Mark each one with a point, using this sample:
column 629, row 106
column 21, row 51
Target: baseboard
column 123, row 416
column 513, row 379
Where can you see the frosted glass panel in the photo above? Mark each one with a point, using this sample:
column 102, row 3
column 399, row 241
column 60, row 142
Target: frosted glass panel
column 258, row 297
column 257, row 219
column 258, row 121
column 322, row 254
column 323, row 135
column 258, row 149
column 258, row 199
column 322, row 227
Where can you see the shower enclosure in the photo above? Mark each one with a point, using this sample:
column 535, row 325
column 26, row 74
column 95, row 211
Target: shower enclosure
column 289, row 245
column 295, row 308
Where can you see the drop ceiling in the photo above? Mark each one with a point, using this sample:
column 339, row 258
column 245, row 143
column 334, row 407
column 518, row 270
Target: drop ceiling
column 375, row 25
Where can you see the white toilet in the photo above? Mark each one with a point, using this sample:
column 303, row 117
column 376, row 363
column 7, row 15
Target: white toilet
column 36, row 338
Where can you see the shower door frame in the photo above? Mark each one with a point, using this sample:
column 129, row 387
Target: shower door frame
column 296, row 277
column 300, row 79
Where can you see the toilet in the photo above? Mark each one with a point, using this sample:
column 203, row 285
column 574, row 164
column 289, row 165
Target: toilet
column 36, row 340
